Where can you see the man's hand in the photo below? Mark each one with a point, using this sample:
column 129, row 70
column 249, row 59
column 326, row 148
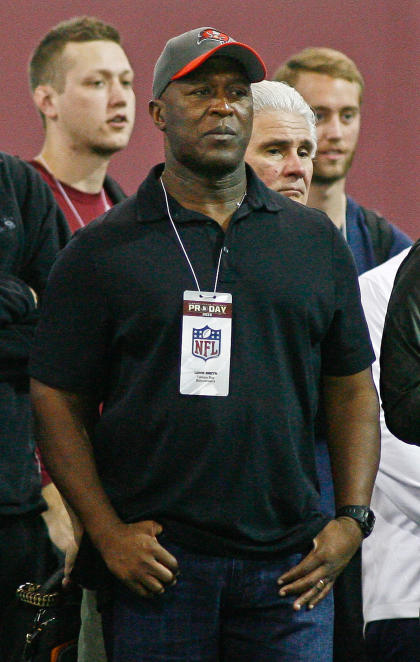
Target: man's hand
column 313, row 578
column 134, row 555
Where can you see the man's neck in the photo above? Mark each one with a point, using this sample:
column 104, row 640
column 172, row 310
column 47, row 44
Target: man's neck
column 82, row 170
column 217, row 198
column 330, row 198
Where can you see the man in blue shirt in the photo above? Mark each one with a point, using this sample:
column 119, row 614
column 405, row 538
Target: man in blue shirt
column 333, row 86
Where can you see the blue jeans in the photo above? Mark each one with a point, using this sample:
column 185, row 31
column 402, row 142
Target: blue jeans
column 220, row 610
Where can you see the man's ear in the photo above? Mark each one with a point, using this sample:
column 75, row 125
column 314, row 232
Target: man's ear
column 157, row 113
column 44, row 97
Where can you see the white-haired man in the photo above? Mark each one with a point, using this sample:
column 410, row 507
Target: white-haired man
column 283, row 140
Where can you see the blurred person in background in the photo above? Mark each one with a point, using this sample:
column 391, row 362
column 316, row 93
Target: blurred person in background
column 283, row 139
column 390, row 556
column 333, row 86
column 82, row 85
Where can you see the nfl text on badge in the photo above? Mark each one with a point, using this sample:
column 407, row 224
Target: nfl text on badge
column 206, row 343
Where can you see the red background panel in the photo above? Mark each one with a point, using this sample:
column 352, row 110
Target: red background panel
column 381, row 36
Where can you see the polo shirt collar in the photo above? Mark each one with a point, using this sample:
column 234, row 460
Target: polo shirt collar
column 151, row 204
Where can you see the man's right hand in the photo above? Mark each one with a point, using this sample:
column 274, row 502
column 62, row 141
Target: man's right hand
column 134, row 555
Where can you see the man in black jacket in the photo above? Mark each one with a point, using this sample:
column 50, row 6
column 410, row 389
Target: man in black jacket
column 400, row 352
column 32, row 231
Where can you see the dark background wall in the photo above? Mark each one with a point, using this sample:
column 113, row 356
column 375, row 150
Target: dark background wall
column 380, row 35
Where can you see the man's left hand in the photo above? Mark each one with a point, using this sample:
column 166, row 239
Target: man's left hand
column 313, row 578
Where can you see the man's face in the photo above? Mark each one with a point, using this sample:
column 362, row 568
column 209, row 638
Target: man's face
column 336, row 104
column 207, row 117
column 280, row 152
column 96, row 109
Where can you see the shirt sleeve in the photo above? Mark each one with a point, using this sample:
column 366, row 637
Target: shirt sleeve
column 346, row 349
column 71, row 338
column 17, row 302
column 400, row 353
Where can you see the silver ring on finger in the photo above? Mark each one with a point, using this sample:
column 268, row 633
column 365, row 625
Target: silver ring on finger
column 321, row 585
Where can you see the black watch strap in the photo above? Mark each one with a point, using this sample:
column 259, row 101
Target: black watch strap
column 363, row 515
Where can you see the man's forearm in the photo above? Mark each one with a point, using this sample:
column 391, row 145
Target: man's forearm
column 62, row 422
column 352, row 414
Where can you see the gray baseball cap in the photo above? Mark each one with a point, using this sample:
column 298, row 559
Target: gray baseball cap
column 186, row 52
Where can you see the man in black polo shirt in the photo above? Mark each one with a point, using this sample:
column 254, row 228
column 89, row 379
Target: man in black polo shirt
column 202, row 316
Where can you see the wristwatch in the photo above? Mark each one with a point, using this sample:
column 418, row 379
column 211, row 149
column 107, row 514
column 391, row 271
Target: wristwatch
column 363, row 515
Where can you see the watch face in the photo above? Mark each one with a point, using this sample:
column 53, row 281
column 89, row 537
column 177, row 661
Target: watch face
column 362, row 514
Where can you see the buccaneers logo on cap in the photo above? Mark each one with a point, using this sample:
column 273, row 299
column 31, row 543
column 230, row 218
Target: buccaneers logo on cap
column 213, row 34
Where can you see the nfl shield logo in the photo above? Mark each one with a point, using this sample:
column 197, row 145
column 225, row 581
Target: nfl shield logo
column 206, row 343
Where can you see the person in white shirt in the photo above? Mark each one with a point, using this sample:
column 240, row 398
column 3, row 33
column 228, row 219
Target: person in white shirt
column 391, row 555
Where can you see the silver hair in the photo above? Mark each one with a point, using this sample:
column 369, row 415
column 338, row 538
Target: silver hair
column 272, row 95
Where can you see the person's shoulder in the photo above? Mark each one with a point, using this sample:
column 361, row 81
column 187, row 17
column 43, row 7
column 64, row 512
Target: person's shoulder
column 10, row 161
column 378, row 224
column 15, row 168
column 263, row 197
column 116, row 219
column 21, row 182
column 414, row 252
column 313, row 214
column 313, row 231
column 314, row 223
column 409, row 269
column 304, row 217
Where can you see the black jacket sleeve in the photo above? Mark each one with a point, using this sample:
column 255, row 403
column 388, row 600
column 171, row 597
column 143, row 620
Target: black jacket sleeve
column 32, row 231
column 400, row 353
